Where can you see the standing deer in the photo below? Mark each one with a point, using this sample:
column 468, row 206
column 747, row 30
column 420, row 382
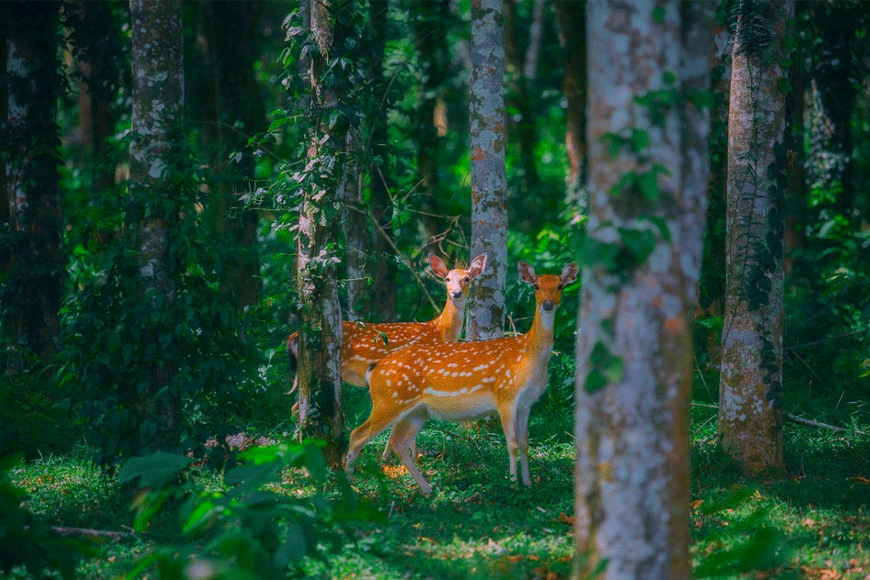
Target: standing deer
column 464, row 381
column 365, row 343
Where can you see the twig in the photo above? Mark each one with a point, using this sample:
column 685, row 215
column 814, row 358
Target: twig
column 406, row 260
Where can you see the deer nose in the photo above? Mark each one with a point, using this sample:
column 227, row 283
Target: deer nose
column 457, row 293
column 547, row 305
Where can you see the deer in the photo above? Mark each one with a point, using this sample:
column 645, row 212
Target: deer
column 465, row 381
column 365, row 343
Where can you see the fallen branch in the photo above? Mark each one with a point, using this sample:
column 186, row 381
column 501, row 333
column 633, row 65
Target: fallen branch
column 811, row 423
column 795, row 419
column 88, row 533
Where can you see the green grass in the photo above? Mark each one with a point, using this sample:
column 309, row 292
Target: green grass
column 813, row 522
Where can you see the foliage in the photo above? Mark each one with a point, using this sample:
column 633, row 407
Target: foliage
column 28, row 541
column 112, row 338
column 257, row 528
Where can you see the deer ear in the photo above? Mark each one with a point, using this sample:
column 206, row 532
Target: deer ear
column 437, row 265
column 569, row 273
column 477, row 266
column 527, row 273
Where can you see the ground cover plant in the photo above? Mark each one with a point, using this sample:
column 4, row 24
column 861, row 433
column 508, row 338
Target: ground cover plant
column 812, row 522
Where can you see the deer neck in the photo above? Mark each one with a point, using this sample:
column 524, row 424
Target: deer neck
column 539, row 338
column 449, row 322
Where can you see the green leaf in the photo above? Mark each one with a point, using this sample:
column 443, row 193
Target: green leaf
column 154, row 470
column 649, row 186
column 200, row 516
column 639, row 243
column 614, row 369
column 595, row 381
column 639, row 139
column 658, row 14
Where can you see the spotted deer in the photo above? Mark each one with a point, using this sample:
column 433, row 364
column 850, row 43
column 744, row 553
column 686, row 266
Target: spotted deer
column 463, row 381
column 365, row 343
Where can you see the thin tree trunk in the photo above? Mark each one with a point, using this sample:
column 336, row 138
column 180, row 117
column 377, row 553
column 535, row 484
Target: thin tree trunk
column 489, row 226
column 634, row 343
column 382, row 265
column 430, row 23
column 750, row 388
column 571, row 20
column 33, row 253
column 158, row 98
column 522, row 63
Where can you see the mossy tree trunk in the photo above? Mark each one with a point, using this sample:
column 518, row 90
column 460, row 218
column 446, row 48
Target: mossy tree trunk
column 489, row 224
column 320, row 330
column 649, row 163
column 750, row 388
column 158, row 98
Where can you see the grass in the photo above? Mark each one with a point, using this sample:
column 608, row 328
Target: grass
column 813, row 522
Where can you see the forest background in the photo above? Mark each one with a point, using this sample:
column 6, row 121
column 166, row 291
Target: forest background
column 98, row 372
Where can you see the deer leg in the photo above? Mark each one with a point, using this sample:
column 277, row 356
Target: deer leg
column 388, row 448
column 403, row 441
column 508, row 425
column 522, row 429
column 377, row 422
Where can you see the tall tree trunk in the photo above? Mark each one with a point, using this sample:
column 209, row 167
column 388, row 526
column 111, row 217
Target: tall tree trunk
column 833, row 70
column 430, row 23
column 33, row 258
column 750, row 388
column 158, row 98
column 634, row 344
column 521, row 67
column 571, row 20
column 99, row 50
column 711, row 288
column 320, row 331
column 383, row 267
column 355, row 226
column 489, row 226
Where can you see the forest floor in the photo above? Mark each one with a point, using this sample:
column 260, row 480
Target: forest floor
column 811, row 522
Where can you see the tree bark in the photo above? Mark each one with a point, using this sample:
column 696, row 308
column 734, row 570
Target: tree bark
column 489, row 225
column 320, row 331
column 158, row 98
column 634, row 343
column 32, row 256
column 750, row 388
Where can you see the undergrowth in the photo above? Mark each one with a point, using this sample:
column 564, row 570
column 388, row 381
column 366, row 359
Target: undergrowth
column 811, row 522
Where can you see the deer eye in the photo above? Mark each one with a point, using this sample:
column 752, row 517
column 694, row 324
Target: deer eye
column 561, row 286
column 537, row 287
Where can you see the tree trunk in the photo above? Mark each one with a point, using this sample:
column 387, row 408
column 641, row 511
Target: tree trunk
column 489, row 227
column 33, row 258
column 521, row 68
column 320, row 331
column 430, row 23
column 571, row 20
column 158, row 98
column 649, row 168
column 750, row 388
